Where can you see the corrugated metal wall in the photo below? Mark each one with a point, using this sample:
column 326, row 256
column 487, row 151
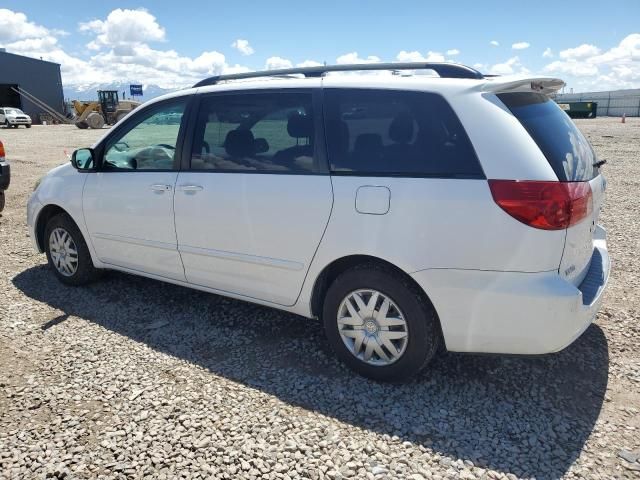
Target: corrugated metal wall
column 37, row 77
column 613, row 103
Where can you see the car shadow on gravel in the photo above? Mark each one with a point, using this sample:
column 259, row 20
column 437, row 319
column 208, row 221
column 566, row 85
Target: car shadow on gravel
column 526, row 416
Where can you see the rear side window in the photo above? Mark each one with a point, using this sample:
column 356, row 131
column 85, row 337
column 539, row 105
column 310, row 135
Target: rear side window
column 568, row 152
column 255, row 132
column 389, row 132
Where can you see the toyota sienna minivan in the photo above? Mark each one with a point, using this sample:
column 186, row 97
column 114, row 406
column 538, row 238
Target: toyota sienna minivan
column 411, row 213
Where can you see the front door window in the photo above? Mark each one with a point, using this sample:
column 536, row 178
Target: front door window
column 150, row 144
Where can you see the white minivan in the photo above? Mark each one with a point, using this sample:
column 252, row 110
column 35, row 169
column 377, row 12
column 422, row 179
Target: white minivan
column 409, row 212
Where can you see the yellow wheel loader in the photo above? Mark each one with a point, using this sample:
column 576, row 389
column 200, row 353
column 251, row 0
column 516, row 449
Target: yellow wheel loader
column 107, row 110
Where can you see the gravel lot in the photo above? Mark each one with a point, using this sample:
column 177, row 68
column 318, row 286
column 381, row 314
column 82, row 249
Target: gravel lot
column 133, row 378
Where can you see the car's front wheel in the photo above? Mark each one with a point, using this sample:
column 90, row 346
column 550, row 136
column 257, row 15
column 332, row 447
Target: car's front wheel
column 380, row 324
column 67, row 252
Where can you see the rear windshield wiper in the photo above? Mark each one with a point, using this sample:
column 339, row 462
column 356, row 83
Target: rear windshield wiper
column 599, row 163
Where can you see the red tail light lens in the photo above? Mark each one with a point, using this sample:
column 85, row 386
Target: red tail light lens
column 1, row 150
column 544, row 205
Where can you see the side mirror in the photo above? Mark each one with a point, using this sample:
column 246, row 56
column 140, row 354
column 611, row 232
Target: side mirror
column 82, row 159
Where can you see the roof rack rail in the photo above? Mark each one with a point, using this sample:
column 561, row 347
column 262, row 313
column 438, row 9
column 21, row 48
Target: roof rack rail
column 444, row 70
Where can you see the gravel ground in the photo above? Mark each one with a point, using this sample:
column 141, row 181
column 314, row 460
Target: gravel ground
column 133, row 378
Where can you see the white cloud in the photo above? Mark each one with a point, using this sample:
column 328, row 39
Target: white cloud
column 509, row 67
column 616, row 68
column 548, row 53
column 15, row 26
column 243, row 46
column 572, row 67
column 627, row 52
column 122, row 27
column 309, row 63
column 582, row 51
column 416, row 56
column 353, row 57
column 494, row 43
column 274, row 63
column 520, row 45
column 453, row 52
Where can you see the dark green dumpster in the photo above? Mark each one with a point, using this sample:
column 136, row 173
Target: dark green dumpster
column 580, row 109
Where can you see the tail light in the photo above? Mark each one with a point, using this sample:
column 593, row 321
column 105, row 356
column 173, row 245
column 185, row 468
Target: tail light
column 2, row 154
column 544, row 205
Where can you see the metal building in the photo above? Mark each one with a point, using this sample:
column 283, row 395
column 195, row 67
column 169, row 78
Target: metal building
column 36, row 77
column 612, row 103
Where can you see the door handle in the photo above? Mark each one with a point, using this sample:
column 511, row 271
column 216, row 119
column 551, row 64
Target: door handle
column 160, row 187
column 191, row 188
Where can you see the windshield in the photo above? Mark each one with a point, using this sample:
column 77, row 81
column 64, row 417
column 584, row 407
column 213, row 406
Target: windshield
column 567, row 150
column 13, row 111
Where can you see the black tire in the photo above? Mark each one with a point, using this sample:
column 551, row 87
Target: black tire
column 423, row 326
column 1, row 200
column 85, row 271
column 28, row 126
column 7, row 124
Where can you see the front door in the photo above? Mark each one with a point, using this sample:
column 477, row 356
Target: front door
column 252, row 209
column 128, row 203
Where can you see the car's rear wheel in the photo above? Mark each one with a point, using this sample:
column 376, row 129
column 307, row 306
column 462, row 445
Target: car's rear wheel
column 380, row 324
column 67, row 252
column 1, row 200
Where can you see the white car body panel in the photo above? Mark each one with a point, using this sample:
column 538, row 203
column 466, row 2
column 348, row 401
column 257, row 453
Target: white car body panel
column 251, row 234
column 456, row 209
column 577, row 253
column 497, row 285
column 62, row 187
column 130, row 221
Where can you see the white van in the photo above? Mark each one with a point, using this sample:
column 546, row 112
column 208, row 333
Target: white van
column 408, row 212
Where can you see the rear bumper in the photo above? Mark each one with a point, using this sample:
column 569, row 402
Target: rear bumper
column 5, row 175
column 513, row 312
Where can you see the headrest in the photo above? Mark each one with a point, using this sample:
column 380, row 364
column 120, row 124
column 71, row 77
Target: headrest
column 300, row 125
column 368, row 142
column 401, row 128
column 260, row 145
column 342, row 143
column 239, row 143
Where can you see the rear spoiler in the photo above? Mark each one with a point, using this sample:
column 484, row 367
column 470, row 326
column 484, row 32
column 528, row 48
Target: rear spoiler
column 546, row 85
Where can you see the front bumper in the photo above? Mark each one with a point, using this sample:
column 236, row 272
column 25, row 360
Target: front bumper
column 19, row 121
column 33, row 210
column 514, row 312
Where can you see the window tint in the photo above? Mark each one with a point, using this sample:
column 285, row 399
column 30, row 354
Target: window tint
column 270, row 132
column 566, row 149
column 150, row 144
column 396, row 133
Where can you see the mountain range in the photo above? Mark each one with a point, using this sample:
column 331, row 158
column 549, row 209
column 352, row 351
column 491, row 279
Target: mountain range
column 89, row 91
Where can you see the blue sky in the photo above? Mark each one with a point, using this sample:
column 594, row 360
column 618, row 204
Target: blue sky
column 167, row 43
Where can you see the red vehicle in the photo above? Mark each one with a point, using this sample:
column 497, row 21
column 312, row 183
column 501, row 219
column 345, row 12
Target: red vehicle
column 5, row 175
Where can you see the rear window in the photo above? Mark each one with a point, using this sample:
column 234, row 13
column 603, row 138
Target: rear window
column 567, row 150
column 398, row 133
